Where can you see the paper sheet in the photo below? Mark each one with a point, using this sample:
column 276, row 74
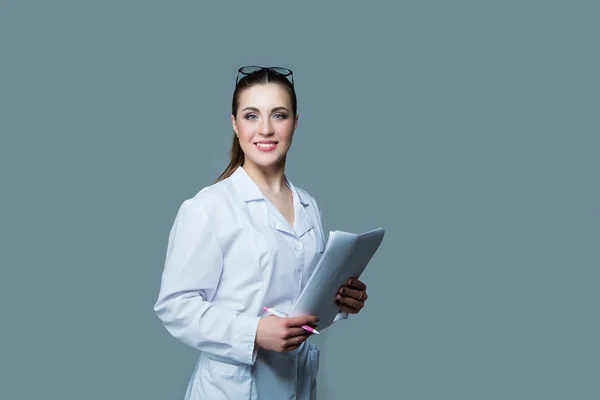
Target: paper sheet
column 346, row 255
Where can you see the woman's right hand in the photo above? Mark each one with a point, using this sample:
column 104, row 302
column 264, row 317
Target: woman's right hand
column 283, row 334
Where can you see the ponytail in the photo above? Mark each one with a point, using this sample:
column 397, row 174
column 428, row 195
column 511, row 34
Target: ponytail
column 236, row 157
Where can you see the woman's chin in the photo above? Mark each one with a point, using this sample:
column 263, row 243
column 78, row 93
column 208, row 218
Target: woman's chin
column 267, row 162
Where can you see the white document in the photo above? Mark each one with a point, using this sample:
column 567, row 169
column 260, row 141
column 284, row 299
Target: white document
column 346, row 255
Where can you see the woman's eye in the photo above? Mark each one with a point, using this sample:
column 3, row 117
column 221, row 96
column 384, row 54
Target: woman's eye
column 251, row 116
column 280, row 116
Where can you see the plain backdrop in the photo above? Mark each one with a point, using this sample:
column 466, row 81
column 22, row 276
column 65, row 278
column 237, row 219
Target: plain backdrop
column 469, row 130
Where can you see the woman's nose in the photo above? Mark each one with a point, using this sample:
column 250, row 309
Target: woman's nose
column 265, row 127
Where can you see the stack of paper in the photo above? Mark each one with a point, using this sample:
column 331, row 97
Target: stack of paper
column 346, row 255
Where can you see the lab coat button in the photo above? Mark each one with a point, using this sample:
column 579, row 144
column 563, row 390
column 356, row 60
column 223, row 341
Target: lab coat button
column 298, row 247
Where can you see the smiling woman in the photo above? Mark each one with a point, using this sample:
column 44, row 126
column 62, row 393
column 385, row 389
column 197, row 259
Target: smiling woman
column 247, row 242
column 264, row 117
column 266, row 123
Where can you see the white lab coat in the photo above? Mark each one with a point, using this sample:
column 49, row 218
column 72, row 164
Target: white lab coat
column 231, row 252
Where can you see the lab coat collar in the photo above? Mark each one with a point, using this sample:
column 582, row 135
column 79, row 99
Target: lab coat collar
column 302, row 221
column 248, row 190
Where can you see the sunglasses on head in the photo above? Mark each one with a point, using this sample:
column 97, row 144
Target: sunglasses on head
column 254, row 68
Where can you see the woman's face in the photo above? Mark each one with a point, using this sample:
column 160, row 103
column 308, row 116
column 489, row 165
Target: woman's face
column 265, row 124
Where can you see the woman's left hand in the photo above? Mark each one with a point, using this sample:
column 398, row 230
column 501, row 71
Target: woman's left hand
column 352, row 296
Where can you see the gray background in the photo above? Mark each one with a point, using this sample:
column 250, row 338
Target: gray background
column 469, row 130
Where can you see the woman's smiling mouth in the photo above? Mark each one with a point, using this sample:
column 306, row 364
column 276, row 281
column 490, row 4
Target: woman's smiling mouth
column 266, row 145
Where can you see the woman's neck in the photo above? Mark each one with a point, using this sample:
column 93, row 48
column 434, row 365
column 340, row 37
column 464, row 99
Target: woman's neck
column 269, row 180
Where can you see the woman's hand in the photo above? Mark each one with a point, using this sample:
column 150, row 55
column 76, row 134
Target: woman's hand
column 283, row 334
column 352, row 296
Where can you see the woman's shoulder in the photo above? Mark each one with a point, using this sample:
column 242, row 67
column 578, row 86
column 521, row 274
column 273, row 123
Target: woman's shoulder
column 208, row 198
column 307, row 199
column 304, row 195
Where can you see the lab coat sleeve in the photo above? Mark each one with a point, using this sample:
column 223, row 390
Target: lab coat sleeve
column 340, row 315
column 193, row 265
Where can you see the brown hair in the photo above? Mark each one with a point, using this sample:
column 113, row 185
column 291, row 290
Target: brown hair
column 236, row 155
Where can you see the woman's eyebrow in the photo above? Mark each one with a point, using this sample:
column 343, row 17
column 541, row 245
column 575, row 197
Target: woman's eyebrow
column 274, row 109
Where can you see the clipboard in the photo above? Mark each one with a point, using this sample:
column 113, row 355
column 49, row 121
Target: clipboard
column 346, row 255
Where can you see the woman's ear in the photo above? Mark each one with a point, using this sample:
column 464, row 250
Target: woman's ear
column 296, row 122
column 234, row 125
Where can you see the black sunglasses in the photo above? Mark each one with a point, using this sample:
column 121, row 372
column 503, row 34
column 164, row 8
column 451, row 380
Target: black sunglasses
column 254, row 68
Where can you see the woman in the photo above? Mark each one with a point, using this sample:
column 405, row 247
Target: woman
column 249, row 241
